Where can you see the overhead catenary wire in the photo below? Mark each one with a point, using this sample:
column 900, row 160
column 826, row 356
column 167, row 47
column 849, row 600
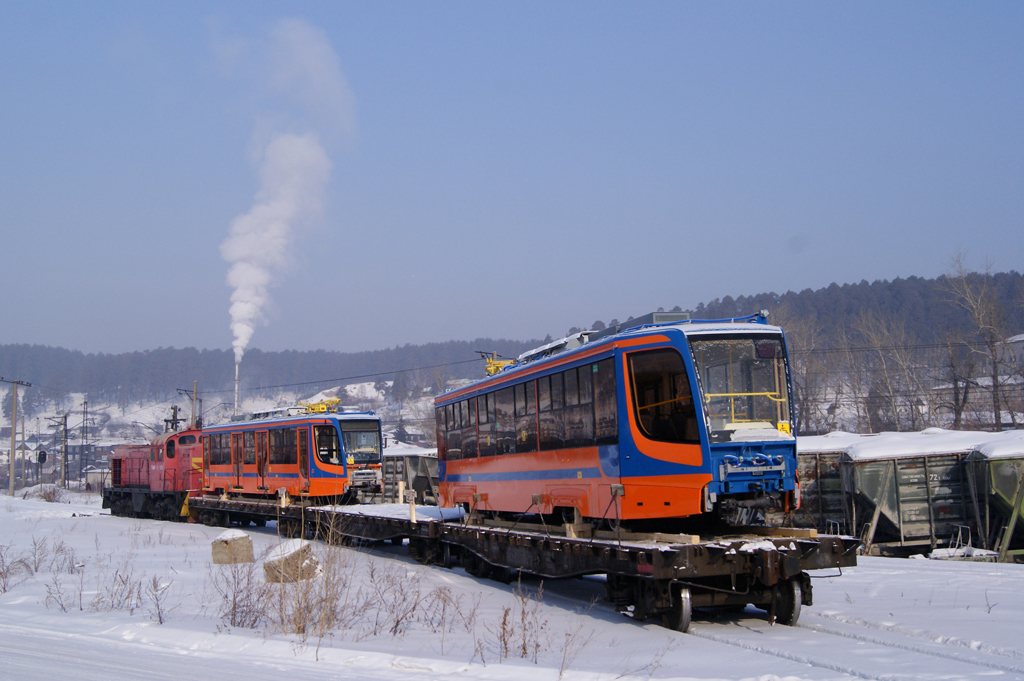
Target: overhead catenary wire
column 343, row 378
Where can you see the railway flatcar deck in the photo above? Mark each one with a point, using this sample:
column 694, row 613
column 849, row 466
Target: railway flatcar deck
column 647, row 574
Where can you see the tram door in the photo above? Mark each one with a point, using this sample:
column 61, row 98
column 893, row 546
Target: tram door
column 302, row 440
column 664, row 416
column 237, row 457
column 261, row 459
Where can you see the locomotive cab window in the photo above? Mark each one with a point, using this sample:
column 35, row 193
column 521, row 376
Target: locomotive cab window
column 662, row 400
column 170, row 449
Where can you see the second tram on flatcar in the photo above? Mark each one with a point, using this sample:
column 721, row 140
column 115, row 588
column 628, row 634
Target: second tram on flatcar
column 323, row 457
column 647, row 427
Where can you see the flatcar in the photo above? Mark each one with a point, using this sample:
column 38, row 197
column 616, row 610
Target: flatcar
column 153, row 480
column 660, row 427
column 310, row 457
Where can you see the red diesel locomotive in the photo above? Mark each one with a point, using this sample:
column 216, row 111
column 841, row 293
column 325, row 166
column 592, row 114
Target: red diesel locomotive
column 300, row 456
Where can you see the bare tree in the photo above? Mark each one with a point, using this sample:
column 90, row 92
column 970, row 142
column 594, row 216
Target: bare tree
column 817, row 385
column 960, row 374
column 975, row 294
column 900, row 390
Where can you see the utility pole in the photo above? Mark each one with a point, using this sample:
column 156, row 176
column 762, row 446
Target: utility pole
column 64, row 452
column 193, row 395
column 62, row 422
column 171, row 424
column 24, row 478
column 14, row 421
column 85, row 427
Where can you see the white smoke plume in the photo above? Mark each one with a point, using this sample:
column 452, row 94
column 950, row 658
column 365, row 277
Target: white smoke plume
column 309, row 91
column 295, row 171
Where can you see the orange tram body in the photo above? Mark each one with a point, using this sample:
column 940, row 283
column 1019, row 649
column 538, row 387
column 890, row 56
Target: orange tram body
column 306, row 458
column 660, row 427
column 325, row 457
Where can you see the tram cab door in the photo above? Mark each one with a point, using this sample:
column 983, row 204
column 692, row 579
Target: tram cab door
column 663, row 421
column 261, row 460
column 237, row 457
column 302, row 440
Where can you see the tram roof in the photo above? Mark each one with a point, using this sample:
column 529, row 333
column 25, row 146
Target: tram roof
column 555, row 352
column 290, row 418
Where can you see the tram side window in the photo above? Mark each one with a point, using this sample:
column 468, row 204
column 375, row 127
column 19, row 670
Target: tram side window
column 303, row 450
column 662, row 399
column 249, row 447
column 606, row 412
column 544, row 394
column 572, row 388
column 579, row 412
column 526, row 417
column 220, row 449
column 454, row 446
column 282, row 446
column 505, row 421
column 485, row 408
column 557, row 392
column 469, row 429
column 328, row 450
column 552, row 420
column 442, row 434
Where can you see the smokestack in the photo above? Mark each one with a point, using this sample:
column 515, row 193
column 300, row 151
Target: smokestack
column 236, row 388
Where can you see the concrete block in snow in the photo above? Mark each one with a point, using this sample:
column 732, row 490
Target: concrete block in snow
column 232, row 546
column 292, row 561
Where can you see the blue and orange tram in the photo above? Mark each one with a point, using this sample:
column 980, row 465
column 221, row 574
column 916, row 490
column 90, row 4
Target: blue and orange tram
column 646, row 427
column 323, row 457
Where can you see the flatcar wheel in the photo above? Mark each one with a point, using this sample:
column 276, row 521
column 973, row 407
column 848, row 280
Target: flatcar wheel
column 788, row 602
column 678, row 618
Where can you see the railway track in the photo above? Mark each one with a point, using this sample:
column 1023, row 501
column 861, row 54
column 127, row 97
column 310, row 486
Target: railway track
column 852, row 647
column 861, row 649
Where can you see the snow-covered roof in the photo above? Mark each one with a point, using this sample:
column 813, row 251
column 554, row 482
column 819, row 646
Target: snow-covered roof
column 395, row 448
column 1006, row 445
column 836, row 441
column 931, row 441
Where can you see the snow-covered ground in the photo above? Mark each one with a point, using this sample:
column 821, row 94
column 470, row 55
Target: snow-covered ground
column 84, row 595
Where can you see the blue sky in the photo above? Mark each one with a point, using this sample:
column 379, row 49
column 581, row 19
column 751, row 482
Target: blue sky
column 504, row 170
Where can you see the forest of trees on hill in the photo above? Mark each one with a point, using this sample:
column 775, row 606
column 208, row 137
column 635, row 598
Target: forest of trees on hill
column 155, row 375
column 886, row 355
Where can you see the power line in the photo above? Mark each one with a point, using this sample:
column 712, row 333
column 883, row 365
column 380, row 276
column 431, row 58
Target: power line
column 343, row 378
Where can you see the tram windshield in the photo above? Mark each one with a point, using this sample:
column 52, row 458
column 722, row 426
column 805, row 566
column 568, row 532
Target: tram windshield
column 361, row 441
column 744, row 387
